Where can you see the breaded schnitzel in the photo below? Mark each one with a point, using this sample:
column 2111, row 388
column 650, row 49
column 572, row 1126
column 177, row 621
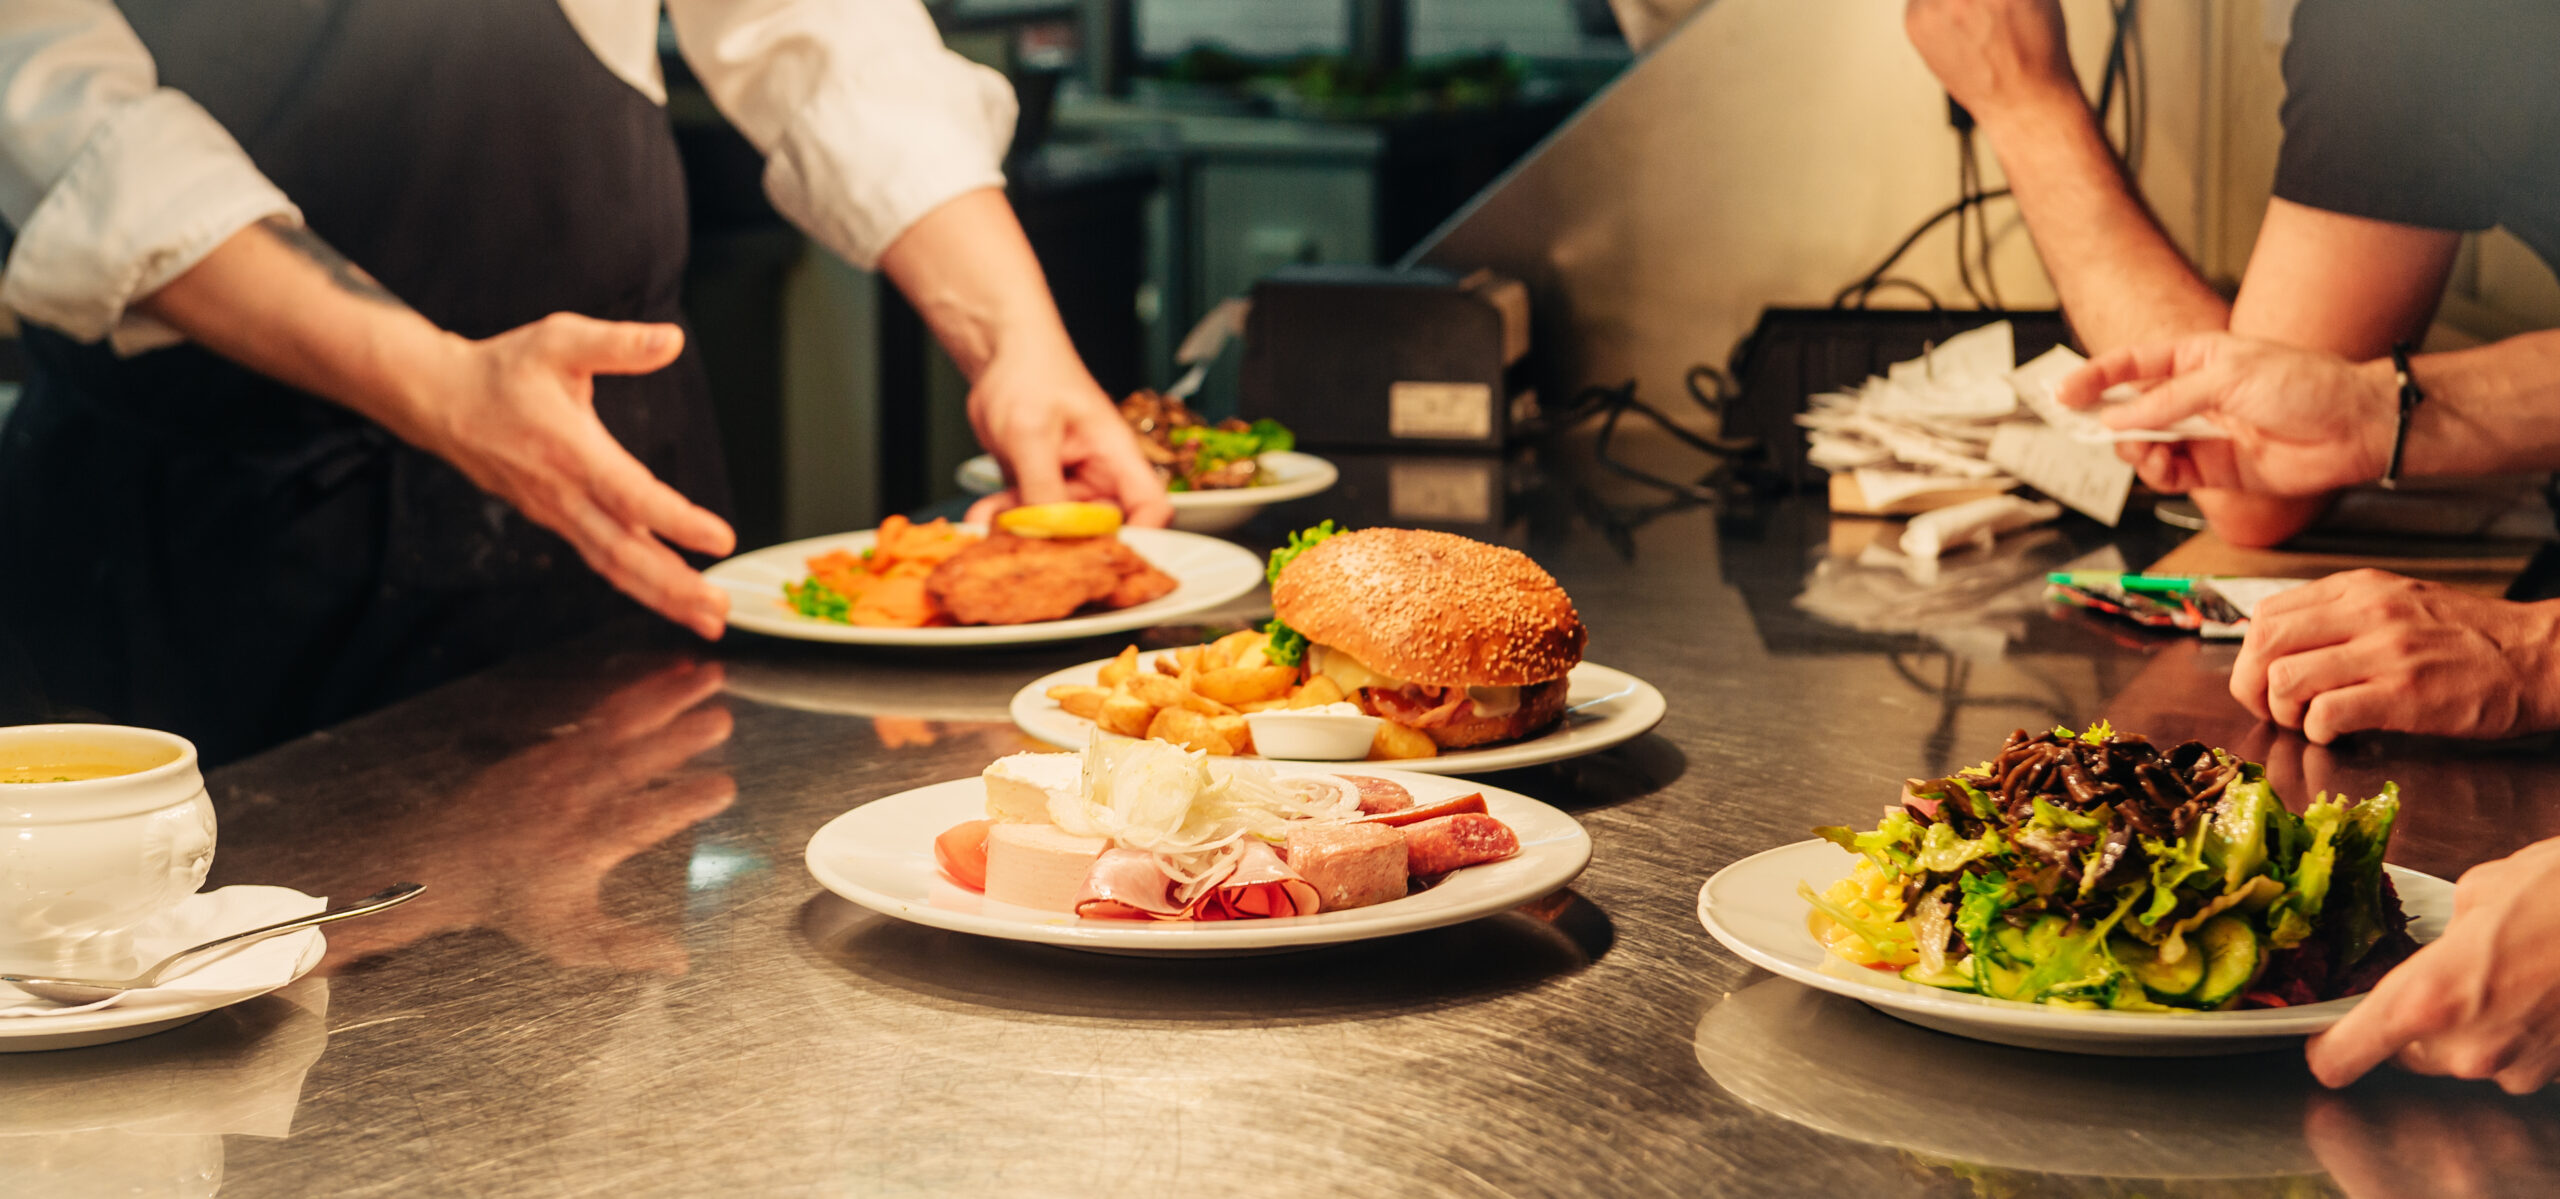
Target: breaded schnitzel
column 1018, row 580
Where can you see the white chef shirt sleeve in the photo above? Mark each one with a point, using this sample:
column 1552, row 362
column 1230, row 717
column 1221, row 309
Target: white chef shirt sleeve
column 111, row 184
column 866, row 120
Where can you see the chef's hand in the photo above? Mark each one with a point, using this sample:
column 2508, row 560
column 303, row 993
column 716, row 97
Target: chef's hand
column 1995, row 56
column 2370, row 650
column 2481, row 1002
column 2301, row 422
column 516, row 413
column 1058, row 437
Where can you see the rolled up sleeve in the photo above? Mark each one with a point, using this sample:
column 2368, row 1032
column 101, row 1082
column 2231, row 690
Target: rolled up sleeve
column 866, row 120
column 113, row 185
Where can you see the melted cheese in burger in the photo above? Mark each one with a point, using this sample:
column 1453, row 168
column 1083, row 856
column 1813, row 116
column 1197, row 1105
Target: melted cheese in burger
column 1348, row 674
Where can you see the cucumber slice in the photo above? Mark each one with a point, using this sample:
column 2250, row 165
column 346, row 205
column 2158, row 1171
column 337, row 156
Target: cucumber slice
column 2231, row 956
column 2165, row 982
column 2000, row 980
column 2008, row 944
column 1954, row 978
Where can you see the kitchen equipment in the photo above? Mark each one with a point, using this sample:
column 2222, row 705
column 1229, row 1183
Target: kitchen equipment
column 1373, row 357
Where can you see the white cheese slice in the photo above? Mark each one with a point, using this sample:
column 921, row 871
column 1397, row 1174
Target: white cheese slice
column 1038, row 865
column 1351, row 676
column 1019, row 786
column 1346, row 671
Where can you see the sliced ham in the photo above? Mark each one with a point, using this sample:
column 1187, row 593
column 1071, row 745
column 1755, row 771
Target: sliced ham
column 1262, row 886
column 1436, row 847
column 1126, row 884
column 1379, row 795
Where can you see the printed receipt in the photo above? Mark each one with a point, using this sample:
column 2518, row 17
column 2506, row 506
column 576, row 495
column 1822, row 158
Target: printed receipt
column 2087, row 476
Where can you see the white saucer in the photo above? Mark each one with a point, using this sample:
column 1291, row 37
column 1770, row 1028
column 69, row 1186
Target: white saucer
column 1604, row 707
column 880, row 855
column 254, row 968
column 125, row 1021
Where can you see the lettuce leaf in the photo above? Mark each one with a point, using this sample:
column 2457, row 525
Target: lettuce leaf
column 2172, row 864
column 1287, row 646
column 1942, row 852
column 2294, row 915
column 1299, row 543
column 1985, row 898
column 2244, row 823
column 1894, row 844
column 2358, row 904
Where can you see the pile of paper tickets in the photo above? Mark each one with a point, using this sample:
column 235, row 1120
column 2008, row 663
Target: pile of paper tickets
column 1950, row 433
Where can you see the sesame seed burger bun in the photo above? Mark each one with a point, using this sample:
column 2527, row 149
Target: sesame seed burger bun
column 1432, row 608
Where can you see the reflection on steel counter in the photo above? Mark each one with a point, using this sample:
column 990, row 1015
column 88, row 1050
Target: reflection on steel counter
column 525, row 845
column 148, row 1116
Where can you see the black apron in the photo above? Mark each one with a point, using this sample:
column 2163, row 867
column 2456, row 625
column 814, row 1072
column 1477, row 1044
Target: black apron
column 189, row 545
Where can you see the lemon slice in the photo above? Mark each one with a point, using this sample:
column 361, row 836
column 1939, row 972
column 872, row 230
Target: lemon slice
column 1070, row 519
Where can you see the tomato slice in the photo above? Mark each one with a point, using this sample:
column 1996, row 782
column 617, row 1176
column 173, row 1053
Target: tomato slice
column 961, row 851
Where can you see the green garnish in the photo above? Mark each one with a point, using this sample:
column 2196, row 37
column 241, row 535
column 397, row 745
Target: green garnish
column 817, row 600
column 1220, row 446
column 1287, row 646
column 1299, row 543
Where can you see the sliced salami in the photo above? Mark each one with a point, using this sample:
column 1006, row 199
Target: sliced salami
column 1379, row 795
column 1436, row 847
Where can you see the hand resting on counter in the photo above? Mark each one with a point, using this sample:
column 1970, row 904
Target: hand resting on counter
column 2371, row 650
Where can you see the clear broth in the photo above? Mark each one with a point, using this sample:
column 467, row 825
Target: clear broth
column 62, row 772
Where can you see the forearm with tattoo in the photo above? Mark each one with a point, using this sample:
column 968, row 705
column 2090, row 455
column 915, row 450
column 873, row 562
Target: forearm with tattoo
column 349, row 277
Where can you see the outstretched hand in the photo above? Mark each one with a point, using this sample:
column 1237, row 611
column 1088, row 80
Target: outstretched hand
column 1059, row 438
column 516, row 414
column 2302, row 423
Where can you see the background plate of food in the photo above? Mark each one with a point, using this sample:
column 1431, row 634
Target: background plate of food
column 2092, row 893
column 942, row 584
column 1603, row 708
column 1220, row 474
column 1286, row 475
column 1431, row 650
column 942, row 855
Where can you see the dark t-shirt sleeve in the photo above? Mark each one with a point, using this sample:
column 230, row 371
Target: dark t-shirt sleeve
column 2371, row 90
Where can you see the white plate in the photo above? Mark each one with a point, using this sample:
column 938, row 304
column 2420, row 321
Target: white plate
column 1752, row 907
column 125, row 1021
column 1294, row 476
column 1604, row 708
column 880, row 855
column 1206, row 572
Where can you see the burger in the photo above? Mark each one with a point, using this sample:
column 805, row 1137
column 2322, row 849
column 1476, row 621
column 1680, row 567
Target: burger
column 1465, row 642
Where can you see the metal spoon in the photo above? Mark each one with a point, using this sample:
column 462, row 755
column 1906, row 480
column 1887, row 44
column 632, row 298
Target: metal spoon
column 90, row 990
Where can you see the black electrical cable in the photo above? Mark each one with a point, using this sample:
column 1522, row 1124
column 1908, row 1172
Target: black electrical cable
column 1868, row 283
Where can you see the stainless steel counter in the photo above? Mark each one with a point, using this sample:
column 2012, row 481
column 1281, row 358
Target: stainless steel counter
column 623, row 981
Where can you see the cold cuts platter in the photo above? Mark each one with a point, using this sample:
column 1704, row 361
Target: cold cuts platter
column 882, row 856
